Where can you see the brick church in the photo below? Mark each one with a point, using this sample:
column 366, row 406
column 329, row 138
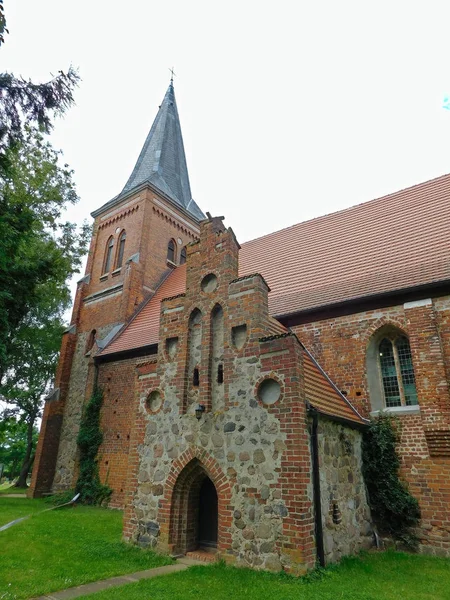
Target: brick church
column 238, row 380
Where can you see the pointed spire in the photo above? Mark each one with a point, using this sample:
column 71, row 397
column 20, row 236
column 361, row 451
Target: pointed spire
column 162, row 161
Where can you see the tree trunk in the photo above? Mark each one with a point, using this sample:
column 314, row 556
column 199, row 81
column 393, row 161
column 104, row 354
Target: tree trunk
column 28, row 459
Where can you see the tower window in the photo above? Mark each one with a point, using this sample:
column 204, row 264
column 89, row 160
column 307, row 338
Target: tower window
column 108, row 255
column 183, row 256
column 171, row 251
column 220, row 374
column 121, row 250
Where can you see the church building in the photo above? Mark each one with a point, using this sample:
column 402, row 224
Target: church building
column 238, row 380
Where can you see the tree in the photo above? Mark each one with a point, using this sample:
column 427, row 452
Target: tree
column 24, row 103
column 38, row 252
column 36, row 246
column 13, row 445
column 32, row 364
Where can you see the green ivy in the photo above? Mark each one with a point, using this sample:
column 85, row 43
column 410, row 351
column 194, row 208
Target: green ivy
column 395, row 511
column 89, row 441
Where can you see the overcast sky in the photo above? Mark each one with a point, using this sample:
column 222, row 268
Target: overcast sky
column 289, row 109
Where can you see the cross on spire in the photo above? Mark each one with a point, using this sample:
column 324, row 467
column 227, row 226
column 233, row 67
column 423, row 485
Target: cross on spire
column 172, row 74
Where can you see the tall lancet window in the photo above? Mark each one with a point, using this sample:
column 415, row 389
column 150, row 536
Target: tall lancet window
column 171, row 251
column 183, row 256
column 121, row 250
column 397, row 374
column 108, row 255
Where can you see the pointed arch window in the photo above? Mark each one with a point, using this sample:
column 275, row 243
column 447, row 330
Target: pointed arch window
column 390, row 372
column 121, row 250
column 397, row 374
column 108, row 255
column 183, row 256
column 171, row 251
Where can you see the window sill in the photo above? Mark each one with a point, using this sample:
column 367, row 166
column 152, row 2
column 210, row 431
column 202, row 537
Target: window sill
column 172, row 264
column 398, row 410
column 104, row 277
column 116, row 272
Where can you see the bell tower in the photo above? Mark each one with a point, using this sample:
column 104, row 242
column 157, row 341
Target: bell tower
column 138, row 238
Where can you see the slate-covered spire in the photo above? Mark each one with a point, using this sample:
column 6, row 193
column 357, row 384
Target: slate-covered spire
column 162, row 161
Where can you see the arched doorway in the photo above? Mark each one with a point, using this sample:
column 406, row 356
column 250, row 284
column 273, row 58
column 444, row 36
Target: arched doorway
column 194, row 511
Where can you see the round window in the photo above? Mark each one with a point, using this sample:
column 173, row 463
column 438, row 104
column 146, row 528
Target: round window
column 269, row 391
column 209, row 283
column 154, row 401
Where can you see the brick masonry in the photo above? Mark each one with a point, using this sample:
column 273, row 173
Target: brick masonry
column 341, row 346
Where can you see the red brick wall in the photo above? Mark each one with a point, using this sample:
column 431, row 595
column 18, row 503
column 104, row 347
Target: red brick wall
column 340, row 345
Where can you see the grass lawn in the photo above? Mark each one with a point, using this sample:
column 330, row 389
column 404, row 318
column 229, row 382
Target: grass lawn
column 378, row 576
column 7, row 488
column 63, row 548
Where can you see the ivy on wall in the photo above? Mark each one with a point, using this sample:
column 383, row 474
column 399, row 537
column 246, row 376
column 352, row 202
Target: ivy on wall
column 89, row 440
column 395, row 511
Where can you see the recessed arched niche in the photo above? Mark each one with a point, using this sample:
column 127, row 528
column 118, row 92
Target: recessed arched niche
column 171, row 347
column 239, row 336
column 209, row 283
column 269, row 391
column 154, row 401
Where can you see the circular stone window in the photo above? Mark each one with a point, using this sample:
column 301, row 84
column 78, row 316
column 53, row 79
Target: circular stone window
column 209, row 283
column 269, row 391
column 154, row 401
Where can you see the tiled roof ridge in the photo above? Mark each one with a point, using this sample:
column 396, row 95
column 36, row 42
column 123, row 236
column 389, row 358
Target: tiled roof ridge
column 278, row 336
column 182, row 295
column 370, row 201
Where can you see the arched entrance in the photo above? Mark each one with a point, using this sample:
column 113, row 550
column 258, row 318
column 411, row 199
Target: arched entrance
column 194, row 511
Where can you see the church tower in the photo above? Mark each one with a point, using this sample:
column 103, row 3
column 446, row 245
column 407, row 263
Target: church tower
column 138, row 238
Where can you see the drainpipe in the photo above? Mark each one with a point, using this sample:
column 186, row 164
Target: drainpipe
column 316, row 487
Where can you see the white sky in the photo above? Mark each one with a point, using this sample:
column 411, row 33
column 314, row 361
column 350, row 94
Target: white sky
column 289, row 109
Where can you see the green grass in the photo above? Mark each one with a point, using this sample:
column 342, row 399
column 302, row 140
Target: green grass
column 379, row 576
column 63, row 548
column 7, row 488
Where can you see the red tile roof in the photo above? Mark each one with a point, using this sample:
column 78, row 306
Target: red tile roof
column 392, row 243
column 324, row 396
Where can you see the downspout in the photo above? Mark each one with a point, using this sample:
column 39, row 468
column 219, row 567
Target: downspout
column 316, row 487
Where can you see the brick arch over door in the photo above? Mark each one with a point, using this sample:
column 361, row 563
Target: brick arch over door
column 183, row 484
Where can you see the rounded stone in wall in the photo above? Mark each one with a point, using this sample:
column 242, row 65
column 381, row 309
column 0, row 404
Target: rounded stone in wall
column 209, row 283
column 154, row 401
column 269, row 391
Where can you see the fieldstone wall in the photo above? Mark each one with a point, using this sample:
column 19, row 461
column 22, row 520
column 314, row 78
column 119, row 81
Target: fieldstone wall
column 76, row 396
column 247, row 444
column 346, row 517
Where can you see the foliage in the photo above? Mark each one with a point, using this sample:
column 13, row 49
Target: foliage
column 3, row 29
column 89, row 441
column 63, row 548
column 38, row 251
column 394, row 509
column 24, row 103
column 13, row 445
